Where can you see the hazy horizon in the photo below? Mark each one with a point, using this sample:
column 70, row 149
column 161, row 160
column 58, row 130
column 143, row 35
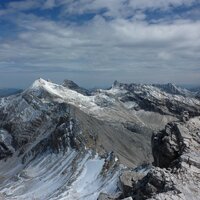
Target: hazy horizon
column 100, row 86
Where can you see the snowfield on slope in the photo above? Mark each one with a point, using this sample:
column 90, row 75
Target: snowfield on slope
column 103, row 104
column 57, row 177
column 60, row 163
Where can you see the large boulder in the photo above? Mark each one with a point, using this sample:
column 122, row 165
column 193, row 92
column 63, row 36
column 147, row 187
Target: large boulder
column 156, row 181
column 177, row 149
column 168, row 145
column 104, row 196
column 128, row 180
column 141, row 186
column 176, row 173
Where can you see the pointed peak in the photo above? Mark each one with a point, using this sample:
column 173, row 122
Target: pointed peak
column 116, row 84
column 73, row 86
column 69, row 84
column 38, row 82
column 171, row 88
column 171, row 85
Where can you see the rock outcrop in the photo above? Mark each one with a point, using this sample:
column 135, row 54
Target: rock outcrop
column 177, row 155
column 127, row 181
column 6, row 149
column 104, row 196
column 154, row 98
column 173, row 89
column 176, row 171
column 60, row 134
column 168, row 145
column 73, row 86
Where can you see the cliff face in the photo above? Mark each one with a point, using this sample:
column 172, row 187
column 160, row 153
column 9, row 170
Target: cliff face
column 47, row 150
column 60, row 142
column 168, row 145
column 175, row 173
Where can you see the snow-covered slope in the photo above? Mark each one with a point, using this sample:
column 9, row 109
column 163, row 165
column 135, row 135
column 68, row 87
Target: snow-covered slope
column 121, row 99
column 64, row 142
column 173, row 89
column 57, row 176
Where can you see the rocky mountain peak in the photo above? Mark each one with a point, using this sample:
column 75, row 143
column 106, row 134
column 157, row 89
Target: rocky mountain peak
column 73, row 86
column 38, row 82
column 117, row 85
column 171, row 88
column 70, row 84
column 59, row 134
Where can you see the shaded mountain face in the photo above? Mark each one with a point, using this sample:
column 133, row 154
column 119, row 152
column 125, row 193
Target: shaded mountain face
column 198, row 95
column 73, row 86
column 9, row 91
column 196, row 92
column 70, row 143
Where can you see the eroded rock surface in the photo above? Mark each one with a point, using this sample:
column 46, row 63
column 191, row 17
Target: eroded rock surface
column 168, row 145
column 6, row 148
column 58, row 142
column 176, row 171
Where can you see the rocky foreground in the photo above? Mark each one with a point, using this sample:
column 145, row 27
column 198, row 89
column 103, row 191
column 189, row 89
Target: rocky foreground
column 63, row 142
column 175, row 173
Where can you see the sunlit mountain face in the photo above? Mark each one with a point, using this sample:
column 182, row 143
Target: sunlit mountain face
column 116, row 114
column 67, row 142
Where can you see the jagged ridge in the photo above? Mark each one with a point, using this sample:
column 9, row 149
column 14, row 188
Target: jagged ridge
column 50, row 119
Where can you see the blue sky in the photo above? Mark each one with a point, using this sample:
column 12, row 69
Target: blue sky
column 95, row 42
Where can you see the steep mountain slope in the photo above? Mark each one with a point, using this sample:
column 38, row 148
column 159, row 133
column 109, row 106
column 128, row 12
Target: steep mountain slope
column 41, row 144
column 63, row 142
column 176, row 171
column 173, row 89
column 151, row 98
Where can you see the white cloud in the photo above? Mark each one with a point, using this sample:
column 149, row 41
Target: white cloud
column 49, row 4
column 120, row 8
column 17, row 6
column 119, row 39
column 130, row 49
column 164, row 55
column 23, row 5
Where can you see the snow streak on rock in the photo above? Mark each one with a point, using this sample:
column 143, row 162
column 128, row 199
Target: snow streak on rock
column 63, row 142
column 57, row 176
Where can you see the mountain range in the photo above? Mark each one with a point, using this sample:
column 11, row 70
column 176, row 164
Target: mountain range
column 67, row 142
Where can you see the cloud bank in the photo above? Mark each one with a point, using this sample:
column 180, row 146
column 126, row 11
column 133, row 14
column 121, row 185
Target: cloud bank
column 94, row 41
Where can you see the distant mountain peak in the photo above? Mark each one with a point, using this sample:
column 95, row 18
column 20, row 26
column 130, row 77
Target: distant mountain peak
column 70, row 84
column 54, row 133
column 38, row 82
column 172, row 89
column 73, row 86
column 117, row 84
